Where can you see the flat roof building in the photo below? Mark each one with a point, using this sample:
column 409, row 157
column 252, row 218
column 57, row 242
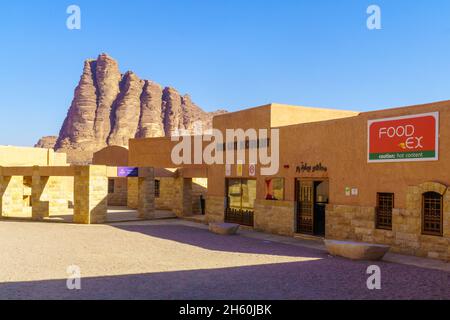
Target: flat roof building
column 379, row 177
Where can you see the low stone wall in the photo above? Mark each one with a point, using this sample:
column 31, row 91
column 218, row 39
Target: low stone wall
column 358, row 223
column 215, row 209
column 275, row 217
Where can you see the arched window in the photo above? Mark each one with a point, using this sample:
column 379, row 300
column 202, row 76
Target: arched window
column 432, row 213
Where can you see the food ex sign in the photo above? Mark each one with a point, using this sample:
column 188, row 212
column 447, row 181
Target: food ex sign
column 409, row 138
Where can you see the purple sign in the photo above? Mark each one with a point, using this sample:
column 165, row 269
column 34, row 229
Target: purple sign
column 127, row 172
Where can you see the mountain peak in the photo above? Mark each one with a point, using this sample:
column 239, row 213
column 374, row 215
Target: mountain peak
column 109, row 108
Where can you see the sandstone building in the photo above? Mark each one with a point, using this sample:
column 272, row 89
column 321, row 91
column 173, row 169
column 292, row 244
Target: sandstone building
column 380, row 177
column 342, row 175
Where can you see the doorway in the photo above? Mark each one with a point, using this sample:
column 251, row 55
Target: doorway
column 312, row 198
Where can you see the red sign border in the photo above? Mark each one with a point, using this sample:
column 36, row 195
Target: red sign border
column 433, row 114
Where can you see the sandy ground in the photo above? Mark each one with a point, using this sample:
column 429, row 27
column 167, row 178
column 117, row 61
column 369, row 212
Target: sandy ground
column 172, row 260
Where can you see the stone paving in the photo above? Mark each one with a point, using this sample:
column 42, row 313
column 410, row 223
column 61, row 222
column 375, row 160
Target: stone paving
column 174, row 259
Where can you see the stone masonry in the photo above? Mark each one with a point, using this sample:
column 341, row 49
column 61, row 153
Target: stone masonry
column 146, row 193
column 11, row 195
column 275, row 217
column 90, row 197
column 358, row 223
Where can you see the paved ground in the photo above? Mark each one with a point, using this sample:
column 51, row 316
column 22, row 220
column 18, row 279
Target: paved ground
column 114, row 214
column 171, row 259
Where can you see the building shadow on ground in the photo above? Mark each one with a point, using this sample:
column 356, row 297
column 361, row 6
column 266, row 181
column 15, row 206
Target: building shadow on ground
column 204, row 239
column 310, row 280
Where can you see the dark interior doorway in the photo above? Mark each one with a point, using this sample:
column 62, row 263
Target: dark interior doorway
column 312, row 198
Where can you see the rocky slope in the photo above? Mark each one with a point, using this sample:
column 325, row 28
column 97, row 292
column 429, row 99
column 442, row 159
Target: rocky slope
column 109, row 108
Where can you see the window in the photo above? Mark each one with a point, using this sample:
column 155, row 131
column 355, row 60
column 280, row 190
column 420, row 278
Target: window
column 241, row 195
column 274, row 189
column 111, row 185
column 157, row 188
column 432, row 214
column 385, row 204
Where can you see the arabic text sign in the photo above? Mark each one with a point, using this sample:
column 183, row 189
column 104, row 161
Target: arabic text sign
column 409, row 138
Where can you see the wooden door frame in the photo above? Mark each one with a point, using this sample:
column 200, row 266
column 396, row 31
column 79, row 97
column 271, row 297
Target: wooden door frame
column 297, row 182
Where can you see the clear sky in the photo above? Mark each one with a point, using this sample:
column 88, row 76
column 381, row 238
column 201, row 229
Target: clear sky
column 230, row 54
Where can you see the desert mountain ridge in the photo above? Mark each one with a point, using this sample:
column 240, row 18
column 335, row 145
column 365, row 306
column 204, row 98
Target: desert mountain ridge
column 109, row 108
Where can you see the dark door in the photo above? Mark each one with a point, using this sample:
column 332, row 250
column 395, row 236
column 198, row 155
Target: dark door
column 305, row 207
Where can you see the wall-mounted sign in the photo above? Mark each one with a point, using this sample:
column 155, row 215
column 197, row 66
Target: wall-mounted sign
column 239, row 169
column 252, row 170
column 306, row 167
column 127, row 172
column 228, row 170
column 409, row 138
column 355, row 192
column 348, row 191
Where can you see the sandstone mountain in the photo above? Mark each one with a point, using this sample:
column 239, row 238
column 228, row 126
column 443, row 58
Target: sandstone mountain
column 109, row 108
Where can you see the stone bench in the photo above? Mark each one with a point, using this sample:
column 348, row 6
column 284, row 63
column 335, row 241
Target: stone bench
column 225, row 229
column 356, row 250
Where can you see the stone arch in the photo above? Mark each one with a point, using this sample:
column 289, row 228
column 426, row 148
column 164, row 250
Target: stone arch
column 432, row 187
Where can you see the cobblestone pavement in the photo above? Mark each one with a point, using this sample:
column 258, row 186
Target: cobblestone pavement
column 172, row 260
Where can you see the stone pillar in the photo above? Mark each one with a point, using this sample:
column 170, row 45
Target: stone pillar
column 11, row 196
column 183, row 197
column 90, row 194
column 146, row 193
column 39, row 198
column 132, row 193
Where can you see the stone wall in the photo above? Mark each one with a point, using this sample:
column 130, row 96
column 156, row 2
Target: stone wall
column 119, row 196
column 51, row 196
column 215, row 209
column 182, row 201
column 11, row 196
column 358, row 223
column 166, row 194
column 132, row 194
column 275, row 217
column 91, row 194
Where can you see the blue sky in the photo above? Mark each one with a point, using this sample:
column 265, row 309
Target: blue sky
column 230, row 54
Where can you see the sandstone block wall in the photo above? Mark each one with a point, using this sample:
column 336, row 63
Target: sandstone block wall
column 358, row 223
column 119, row 196
column 91, row 194
column 166, row 194
column 132, row 194
column 11, row 196
column 275, row 217
column 215, row 210
column 146, row 193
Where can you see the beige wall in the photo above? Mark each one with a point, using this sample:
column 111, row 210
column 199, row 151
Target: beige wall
column 23, row 156
column 341, row 146
column 285, row 115
column 111, row 156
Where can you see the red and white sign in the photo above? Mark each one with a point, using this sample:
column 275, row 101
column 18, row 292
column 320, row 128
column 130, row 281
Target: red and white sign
column 252, row 170
column 408, row 138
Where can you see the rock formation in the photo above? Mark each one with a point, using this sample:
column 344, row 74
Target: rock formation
column 46, row 142
column 109, row 108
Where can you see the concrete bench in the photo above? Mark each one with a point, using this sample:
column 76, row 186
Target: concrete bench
column 356, row 250
column 225, row 229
